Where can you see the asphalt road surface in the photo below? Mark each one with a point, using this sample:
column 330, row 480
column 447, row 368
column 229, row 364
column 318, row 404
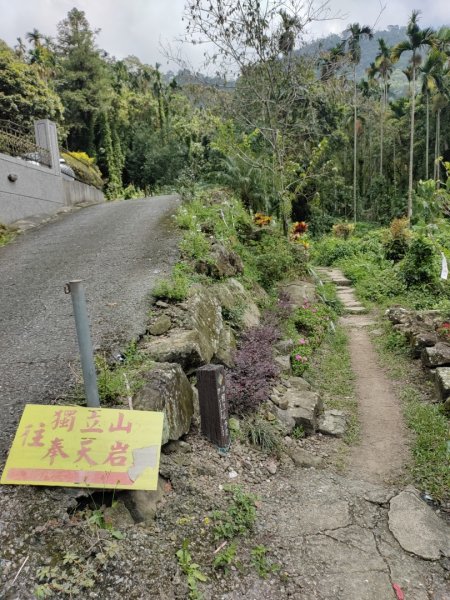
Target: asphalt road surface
column 119, row 250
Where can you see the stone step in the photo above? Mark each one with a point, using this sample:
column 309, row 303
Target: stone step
column 355, row 310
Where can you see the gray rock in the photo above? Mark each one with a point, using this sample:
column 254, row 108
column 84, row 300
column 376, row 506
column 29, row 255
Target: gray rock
column 162, row 304
column 284, row 346
column 143, row 504
column 303, row 458
column 180, row 346
column 221, row 263
column 397, row 315
column 299, row 384
column 167, row 389
column 333, row 422
column 177, row 446
column 300, row 292
column 286, row 420
column 417, row 528
column 379, row 496
column 442, row 384
column 232, row 295
column 227, row 346
column 280, row 401
column 198, row 343
column 206, row 318
column 421, row 340
column 161, row 325
column 271, row 467
column 304, row 408
column 284, row 364
column 437, row 356
column 118, row 516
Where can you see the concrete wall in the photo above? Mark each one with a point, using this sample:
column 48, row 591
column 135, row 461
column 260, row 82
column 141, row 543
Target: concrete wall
column 29, row 190
column 37, row 190
column 76, row 192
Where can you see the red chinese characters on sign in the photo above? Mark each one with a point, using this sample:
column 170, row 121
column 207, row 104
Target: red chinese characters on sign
column 56, row 449
column 83, row 452
column 64, row 419
column 38, row 435
column 120, row 426
column 117, row 456
column 92, row 423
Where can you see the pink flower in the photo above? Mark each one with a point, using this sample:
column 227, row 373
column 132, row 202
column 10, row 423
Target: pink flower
column 298, row 357
column 302, row 341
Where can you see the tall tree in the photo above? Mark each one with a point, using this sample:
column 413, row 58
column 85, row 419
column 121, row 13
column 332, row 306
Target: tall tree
column 248, row 37
column 83, row 80
column 383, row 64
column 430, row 74
column 417, row 39
column 355, row 34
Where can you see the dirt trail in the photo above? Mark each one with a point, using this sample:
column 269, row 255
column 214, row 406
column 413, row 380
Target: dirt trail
column 382, row 453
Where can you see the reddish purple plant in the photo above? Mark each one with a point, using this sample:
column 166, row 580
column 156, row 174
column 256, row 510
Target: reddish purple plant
column 249, row 383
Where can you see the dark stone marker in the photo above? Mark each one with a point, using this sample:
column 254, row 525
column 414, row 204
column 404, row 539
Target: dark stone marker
column 213, row 404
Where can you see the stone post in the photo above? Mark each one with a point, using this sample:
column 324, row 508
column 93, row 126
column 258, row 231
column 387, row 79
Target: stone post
column 213, row 404
column 47, row 138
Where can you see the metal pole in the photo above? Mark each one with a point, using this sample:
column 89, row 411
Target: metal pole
column 76, row 290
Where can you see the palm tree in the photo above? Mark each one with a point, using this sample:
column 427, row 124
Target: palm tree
column 331, row 61
column 356, row 34
column 430, row 72
column 35, row 37
column 383, row 64
column 417, row 39
column 440, row 102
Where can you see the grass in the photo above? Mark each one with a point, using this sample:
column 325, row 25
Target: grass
column 332, row 376
column 430, row 465
column 6, row 234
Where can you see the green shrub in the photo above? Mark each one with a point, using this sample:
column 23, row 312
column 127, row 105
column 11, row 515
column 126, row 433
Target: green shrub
column 84, row 168
column 420, row 265
column 194, row 245
column 175, row 287
column 330, row 250
column 397, row 240
column 276, row 259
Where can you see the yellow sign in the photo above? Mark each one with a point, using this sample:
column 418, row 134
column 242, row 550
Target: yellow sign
column 73, row 446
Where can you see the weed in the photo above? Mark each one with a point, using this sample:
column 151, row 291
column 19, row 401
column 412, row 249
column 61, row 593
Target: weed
column 263, row 434
column 233, row 315
column 225, row 558
column 194, row 245
column 239, row 517
column 175, row 287
column 261, row 563
column 7, row 234
column 332, row 375
column 430, row 468
column 191, row 570
column 298, row 432
column 97, row 518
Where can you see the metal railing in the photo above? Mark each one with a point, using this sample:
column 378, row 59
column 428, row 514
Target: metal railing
column 19, row 143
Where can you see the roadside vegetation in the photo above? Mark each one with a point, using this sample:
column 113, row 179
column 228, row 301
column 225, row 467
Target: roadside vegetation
column 429, row 467
column 7, row 234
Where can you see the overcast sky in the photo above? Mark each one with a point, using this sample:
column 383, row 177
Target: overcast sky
column 139, row 26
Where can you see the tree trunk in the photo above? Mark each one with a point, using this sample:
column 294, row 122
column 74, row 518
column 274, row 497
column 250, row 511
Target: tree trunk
column 354, row 143
column 411, row 147
column 438, row 149
column 383, row 108
column 427, row 150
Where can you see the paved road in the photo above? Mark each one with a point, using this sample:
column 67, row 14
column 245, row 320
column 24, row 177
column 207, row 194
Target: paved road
column 119, row 249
